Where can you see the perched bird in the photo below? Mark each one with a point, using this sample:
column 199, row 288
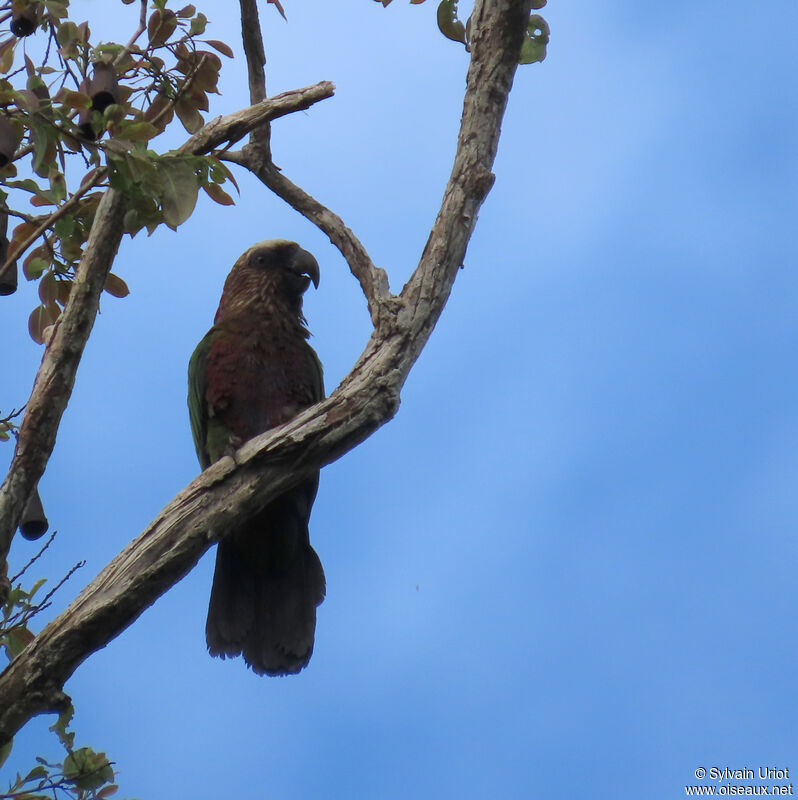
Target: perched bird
column 252, row 371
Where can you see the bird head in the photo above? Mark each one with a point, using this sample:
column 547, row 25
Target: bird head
column 273, row 274
column 286, row 263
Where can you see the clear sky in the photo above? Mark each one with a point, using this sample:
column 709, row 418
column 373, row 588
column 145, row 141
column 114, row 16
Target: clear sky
column 567, row 568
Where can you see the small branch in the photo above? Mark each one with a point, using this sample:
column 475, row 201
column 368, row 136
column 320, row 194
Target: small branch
column 35, row 558
column 134, row 38
column 233, row 127
column 373, row 280
column 253, row 49
column 256, row 61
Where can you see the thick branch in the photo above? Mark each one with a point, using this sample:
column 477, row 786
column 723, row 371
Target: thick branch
column 498, row 31
column 228, row 492
column 56, row 377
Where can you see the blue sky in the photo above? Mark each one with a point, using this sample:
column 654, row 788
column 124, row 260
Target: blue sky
column 566, row 569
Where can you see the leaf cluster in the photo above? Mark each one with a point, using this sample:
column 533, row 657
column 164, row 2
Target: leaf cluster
column 83, row 774
column 84, row 113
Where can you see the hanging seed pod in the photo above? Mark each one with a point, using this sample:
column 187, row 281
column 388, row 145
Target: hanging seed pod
column 9, row 141
column 33, row 524
column 84, row 124
column 8, row 279
column 103, row 87
column 25, row 21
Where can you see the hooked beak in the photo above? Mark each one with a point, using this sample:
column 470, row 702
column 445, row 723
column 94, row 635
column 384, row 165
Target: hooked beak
column 306, row 264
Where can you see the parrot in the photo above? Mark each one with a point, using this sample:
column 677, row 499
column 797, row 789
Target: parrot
column 252, row 371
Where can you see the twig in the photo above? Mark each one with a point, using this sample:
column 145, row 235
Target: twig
column 233, row 127
column 257, row 158
column 35, row 558
column 46, row 599
column 134, row 38
column 373, row 280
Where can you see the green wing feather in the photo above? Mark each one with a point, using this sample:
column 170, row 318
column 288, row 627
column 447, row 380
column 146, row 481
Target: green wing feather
column 197, row 404
column 318, row 376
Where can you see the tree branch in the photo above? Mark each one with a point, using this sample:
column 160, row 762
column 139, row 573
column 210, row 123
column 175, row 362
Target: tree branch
column 265, row 467
column 373, row 280
column 256, row 62
column 233, row 127
column 52, row 387
column 56, row 376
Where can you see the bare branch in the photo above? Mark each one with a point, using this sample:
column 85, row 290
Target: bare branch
column 373, row 280
column 233, row 127
column 253, row 50
column 495, row 45
column 142, row 26
column 256, row 60
column 232, row 490
column 35, row 558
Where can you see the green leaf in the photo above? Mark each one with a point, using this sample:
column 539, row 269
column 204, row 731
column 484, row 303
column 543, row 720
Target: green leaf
column 37, row 772
column 198, row 25
column 26, row 183
column 59, row 727
column 87, row 770
column 138, row 131
column 7, row 54
column 448, row 23
column 56, row 8
column 74, row 99
column 16, row 640
column 57, row 185
column 180, row 190
column 537, row 37
column 34, row 266
column 65, row 227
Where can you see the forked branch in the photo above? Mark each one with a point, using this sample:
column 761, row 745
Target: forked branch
column 229, row 491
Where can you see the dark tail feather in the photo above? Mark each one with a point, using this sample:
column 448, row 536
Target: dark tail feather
column 267, row 584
